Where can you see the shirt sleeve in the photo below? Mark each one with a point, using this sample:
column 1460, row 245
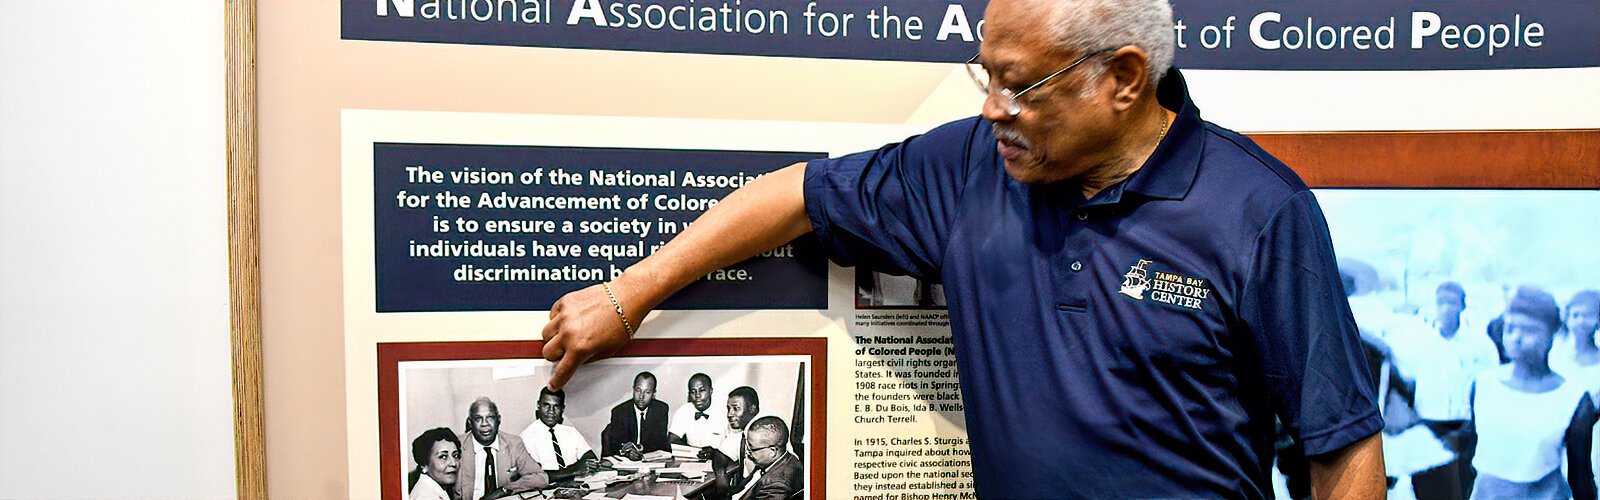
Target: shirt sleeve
column 1305, row 338
column 676, row 424
column 581, row 443
column 891, row 209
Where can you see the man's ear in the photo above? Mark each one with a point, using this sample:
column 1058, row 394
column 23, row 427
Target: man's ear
column 1129, row 73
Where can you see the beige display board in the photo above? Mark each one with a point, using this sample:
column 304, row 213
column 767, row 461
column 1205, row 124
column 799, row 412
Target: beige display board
column 328, row 101
column 307, row 332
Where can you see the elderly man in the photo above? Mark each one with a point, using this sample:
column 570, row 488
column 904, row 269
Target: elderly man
column 638, row 425
column 1153, row 288
column 494, row 464
column 775, row 473
column 700, row 423
column 563, row 451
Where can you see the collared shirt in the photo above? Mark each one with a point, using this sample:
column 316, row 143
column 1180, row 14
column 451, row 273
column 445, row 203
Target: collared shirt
column 1446, row 367
column 704, row 431
column 732, row 444
column 480, row 459
column 427, row 489
column 573, row 446
column 1137, row 344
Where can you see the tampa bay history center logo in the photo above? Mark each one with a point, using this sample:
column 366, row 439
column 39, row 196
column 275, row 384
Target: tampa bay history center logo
column 1164, row 287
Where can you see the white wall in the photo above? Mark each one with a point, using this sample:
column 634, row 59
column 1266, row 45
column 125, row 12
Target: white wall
column 114, row 357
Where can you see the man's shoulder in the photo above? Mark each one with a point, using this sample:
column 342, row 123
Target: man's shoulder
column 1236, row 173
column 787, row 467
column 1236, row 159
column 512, row 440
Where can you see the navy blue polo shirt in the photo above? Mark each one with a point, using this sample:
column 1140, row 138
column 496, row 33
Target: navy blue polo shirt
column 1137, row 344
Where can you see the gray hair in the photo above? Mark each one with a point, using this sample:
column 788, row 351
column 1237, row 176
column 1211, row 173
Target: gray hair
column 1086, row 26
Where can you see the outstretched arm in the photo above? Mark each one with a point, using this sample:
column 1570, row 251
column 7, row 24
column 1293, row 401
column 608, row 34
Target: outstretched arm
column 765, row 213
column 1355, row 471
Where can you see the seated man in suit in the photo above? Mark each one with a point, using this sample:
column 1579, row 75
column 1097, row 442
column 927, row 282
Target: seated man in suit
column 494, row 464
column 563, row 451
column 774, row 474
column 639, row 425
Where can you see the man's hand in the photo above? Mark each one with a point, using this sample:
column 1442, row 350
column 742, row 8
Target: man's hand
column 757, row 217
column 584, row 325
column 631, row 451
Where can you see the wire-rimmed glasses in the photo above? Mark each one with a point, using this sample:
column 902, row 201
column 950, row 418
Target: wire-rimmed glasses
column 1008, row 99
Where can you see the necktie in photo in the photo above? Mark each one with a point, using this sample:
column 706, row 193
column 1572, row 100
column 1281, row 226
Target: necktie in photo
column 700, row 414
column 561, row 462
column 489, row 483
column 638, row 430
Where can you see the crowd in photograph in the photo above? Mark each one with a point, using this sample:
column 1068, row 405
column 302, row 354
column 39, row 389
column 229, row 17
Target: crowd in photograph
column 1503, row 408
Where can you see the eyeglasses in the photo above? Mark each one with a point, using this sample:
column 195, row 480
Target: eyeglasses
column 1008, row 99
column 753, row 451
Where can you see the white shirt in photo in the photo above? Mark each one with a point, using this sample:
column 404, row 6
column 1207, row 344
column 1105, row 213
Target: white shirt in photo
column 480, row 459
column 1446, row 368
column 537, row 438
column 708, row 430
column 427, row 489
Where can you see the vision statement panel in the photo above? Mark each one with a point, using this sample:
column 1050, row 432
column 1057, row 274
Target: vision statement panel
column 504, row 228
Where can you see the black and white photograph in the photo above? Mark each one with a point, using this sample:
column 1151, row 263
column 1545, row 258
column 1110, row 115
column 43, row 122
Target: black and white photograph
column 676, row 426
column 1478, row 311
column 876, row 290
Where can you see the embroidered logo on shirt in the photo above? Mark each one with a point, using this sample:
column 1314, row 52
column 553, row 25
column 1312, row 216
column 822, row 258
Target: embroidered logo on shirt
column 1164, row 287
column 1137, row 280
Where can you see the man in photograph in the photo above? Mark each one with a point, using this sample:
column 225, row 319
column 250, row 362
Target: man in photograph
column 638, row 425
column 701, row 423
column 494, row 464
column 1449, row 359
column 775, row 474
column 563, row 451
column 1159, row 288
column 743, row 405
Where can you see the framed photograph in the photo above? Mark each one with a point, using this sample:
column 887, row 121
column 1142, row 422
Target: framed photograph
column 732, row 385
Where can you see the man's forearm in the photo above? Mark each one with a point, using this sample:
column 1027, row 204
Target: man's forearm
column 1355, row 471
column 763, row 214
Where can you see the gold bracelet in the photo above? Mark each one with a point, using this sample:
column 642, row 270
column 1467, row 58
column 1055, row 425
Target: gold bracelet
column 626, row 326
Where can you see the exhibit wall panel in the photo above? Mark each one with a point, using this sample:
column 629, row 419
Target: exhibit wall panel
column 342, row 120
column 114, row 350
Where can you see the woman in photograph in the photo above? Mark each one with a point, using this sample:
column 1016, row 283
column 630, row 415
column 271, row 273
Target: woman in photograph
column 1580, row 360
column 437, row 453
column 1526, row 414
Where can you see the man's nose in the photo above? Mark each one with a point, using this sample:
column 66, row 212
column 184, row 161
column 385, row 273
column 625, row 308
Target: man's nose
column 994, row 109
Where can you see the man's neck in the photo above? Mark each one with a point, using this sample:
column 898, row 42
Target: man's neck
column 1131, row 153
column 1449, row 326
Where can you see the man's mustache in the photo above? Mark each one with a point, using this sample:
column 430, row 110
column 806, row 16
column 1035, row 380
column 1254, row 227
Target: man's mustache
column 1010, row 135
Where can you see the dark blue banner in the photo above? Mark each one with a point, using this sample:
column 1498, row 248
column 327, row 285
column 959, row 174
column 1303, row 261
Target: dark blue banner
column 498, row 228
column 1211, row 34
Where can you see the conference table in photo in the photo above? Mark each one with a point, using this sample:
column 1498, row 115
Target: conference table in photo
column 658, row 476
